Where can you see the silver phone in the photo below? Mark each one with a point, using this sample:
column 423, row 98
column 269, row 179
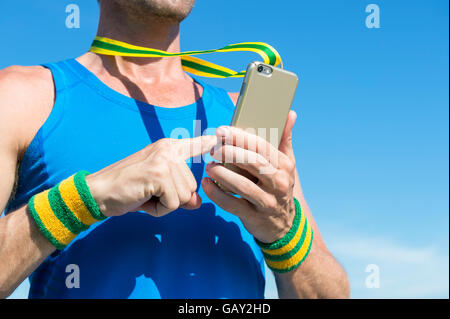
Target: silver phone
column 263, row 105
column 265, row 99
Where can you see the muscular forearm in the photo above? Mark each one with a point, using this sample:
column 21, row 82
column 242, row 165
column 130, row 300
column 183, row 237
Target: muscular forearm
column 157, row 171
column 22, row 249
column 319, row 276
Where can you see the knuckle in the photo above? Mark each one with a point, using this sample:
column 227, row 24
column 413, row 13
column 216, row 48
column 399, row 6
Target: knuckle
column 159, row 149
column 192, row 184
column 178, row 153
column 173, row 204
column 164, row 145
column 288, row 165
column 160, row 170
column 165, row 141
column 262, row 162
column 148, row 191
column 185, row 197
column 282, row 182
column 222, row 154
column 269, row 203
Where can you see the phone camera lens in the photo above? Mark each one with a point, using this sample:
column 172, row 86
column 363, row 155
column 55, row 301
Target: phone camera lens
column 260, row 68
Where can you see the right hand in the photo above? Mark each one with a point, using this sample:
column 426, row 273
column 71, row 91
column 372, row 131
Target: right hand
column 156, row 179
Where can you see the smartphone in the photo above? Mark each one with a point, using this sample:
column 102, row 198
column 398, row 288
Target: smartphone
column 264, row 102
column 263, row 105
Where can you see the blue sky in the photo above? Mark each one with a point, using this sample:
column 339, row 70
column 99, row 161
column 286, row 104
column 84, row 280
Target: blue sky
column 372, row 138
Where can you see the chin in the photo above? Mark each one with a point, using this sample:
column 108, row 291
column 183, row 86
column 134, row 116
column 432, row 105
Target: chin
column 170, row 10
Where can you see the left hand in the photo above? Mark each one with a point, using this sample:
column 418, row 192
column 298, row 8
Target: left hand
column 266, row 206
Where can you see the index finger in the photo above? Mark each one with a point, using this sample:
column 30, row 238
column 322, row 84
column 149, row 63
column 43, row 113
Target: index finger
column 196, row 146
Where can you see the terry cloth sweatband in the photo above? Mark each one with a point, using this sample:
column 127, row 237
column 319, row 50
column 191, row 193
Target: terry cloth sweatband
column 289, row 252
column 64, row 211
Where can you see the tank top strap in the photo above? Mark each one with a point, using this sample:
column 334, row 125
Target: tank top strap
column 63, row 75
column 59, row 78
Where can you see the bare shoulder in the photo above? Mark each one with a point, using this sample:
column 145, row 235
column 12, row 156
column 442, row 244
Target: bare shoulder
column 19, row 84
column 26, row 99
column 234, row 96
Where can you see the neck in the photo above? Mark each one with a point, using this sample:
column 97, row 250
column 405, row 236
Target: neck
column 151, row 33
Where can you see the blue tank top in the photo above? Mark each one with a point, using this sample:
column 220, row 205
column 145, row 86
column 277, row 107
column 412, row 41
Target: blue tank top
column 204, row 253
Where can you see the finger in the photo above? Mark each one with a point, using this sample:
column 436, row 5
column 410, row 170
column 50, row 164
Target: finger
column 252, row 162
column 192, row 147
column 168, row 198
column 236, row 183
column 286, row 139
column 239, row 171
column 180, row 178
column 150, row 206
column 184, row 183
column 194, row 203
column 188, row 176
column 231, row 204
column 249, row 141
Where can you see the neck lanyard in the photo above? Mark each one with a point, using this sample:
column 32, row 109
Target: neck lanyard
column 189, row 63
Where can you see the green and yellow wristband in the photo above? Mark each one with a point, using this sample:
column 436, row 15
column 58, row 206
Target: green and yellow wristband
column 289, row 252
column 64, row 211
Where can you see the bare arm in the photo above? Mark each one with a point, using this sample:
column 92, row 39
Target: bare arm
column 22, row 247
column 155, row 179
column 320, row 275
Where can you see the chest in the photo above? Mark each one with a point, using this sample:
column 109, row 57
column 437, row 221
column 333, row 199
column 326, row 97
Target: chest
column 166, row 94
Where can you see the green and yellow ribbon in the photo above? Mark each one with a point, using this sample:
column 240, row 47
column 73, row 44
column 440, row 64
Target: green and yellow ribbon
column 189, row 63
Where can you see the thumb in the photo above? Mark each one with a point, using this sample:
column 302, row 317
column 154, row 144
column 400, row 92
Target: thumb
column 194, row 203
column 286, row 139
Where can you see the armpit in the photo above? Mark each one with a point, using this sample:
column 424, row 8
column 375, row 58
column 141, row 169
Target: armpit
column 16, row 182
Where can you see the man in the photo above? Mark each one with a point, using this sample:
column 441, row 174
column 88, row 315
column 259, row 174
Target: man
column 196, row 240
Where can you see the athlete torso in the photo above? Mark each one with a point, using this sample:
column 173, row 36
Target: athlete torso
column 201, row 253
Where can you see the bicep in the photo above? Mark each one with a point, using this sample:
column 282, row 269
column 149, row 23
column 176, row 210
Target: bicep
column 8, row 167
column 20, row 119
